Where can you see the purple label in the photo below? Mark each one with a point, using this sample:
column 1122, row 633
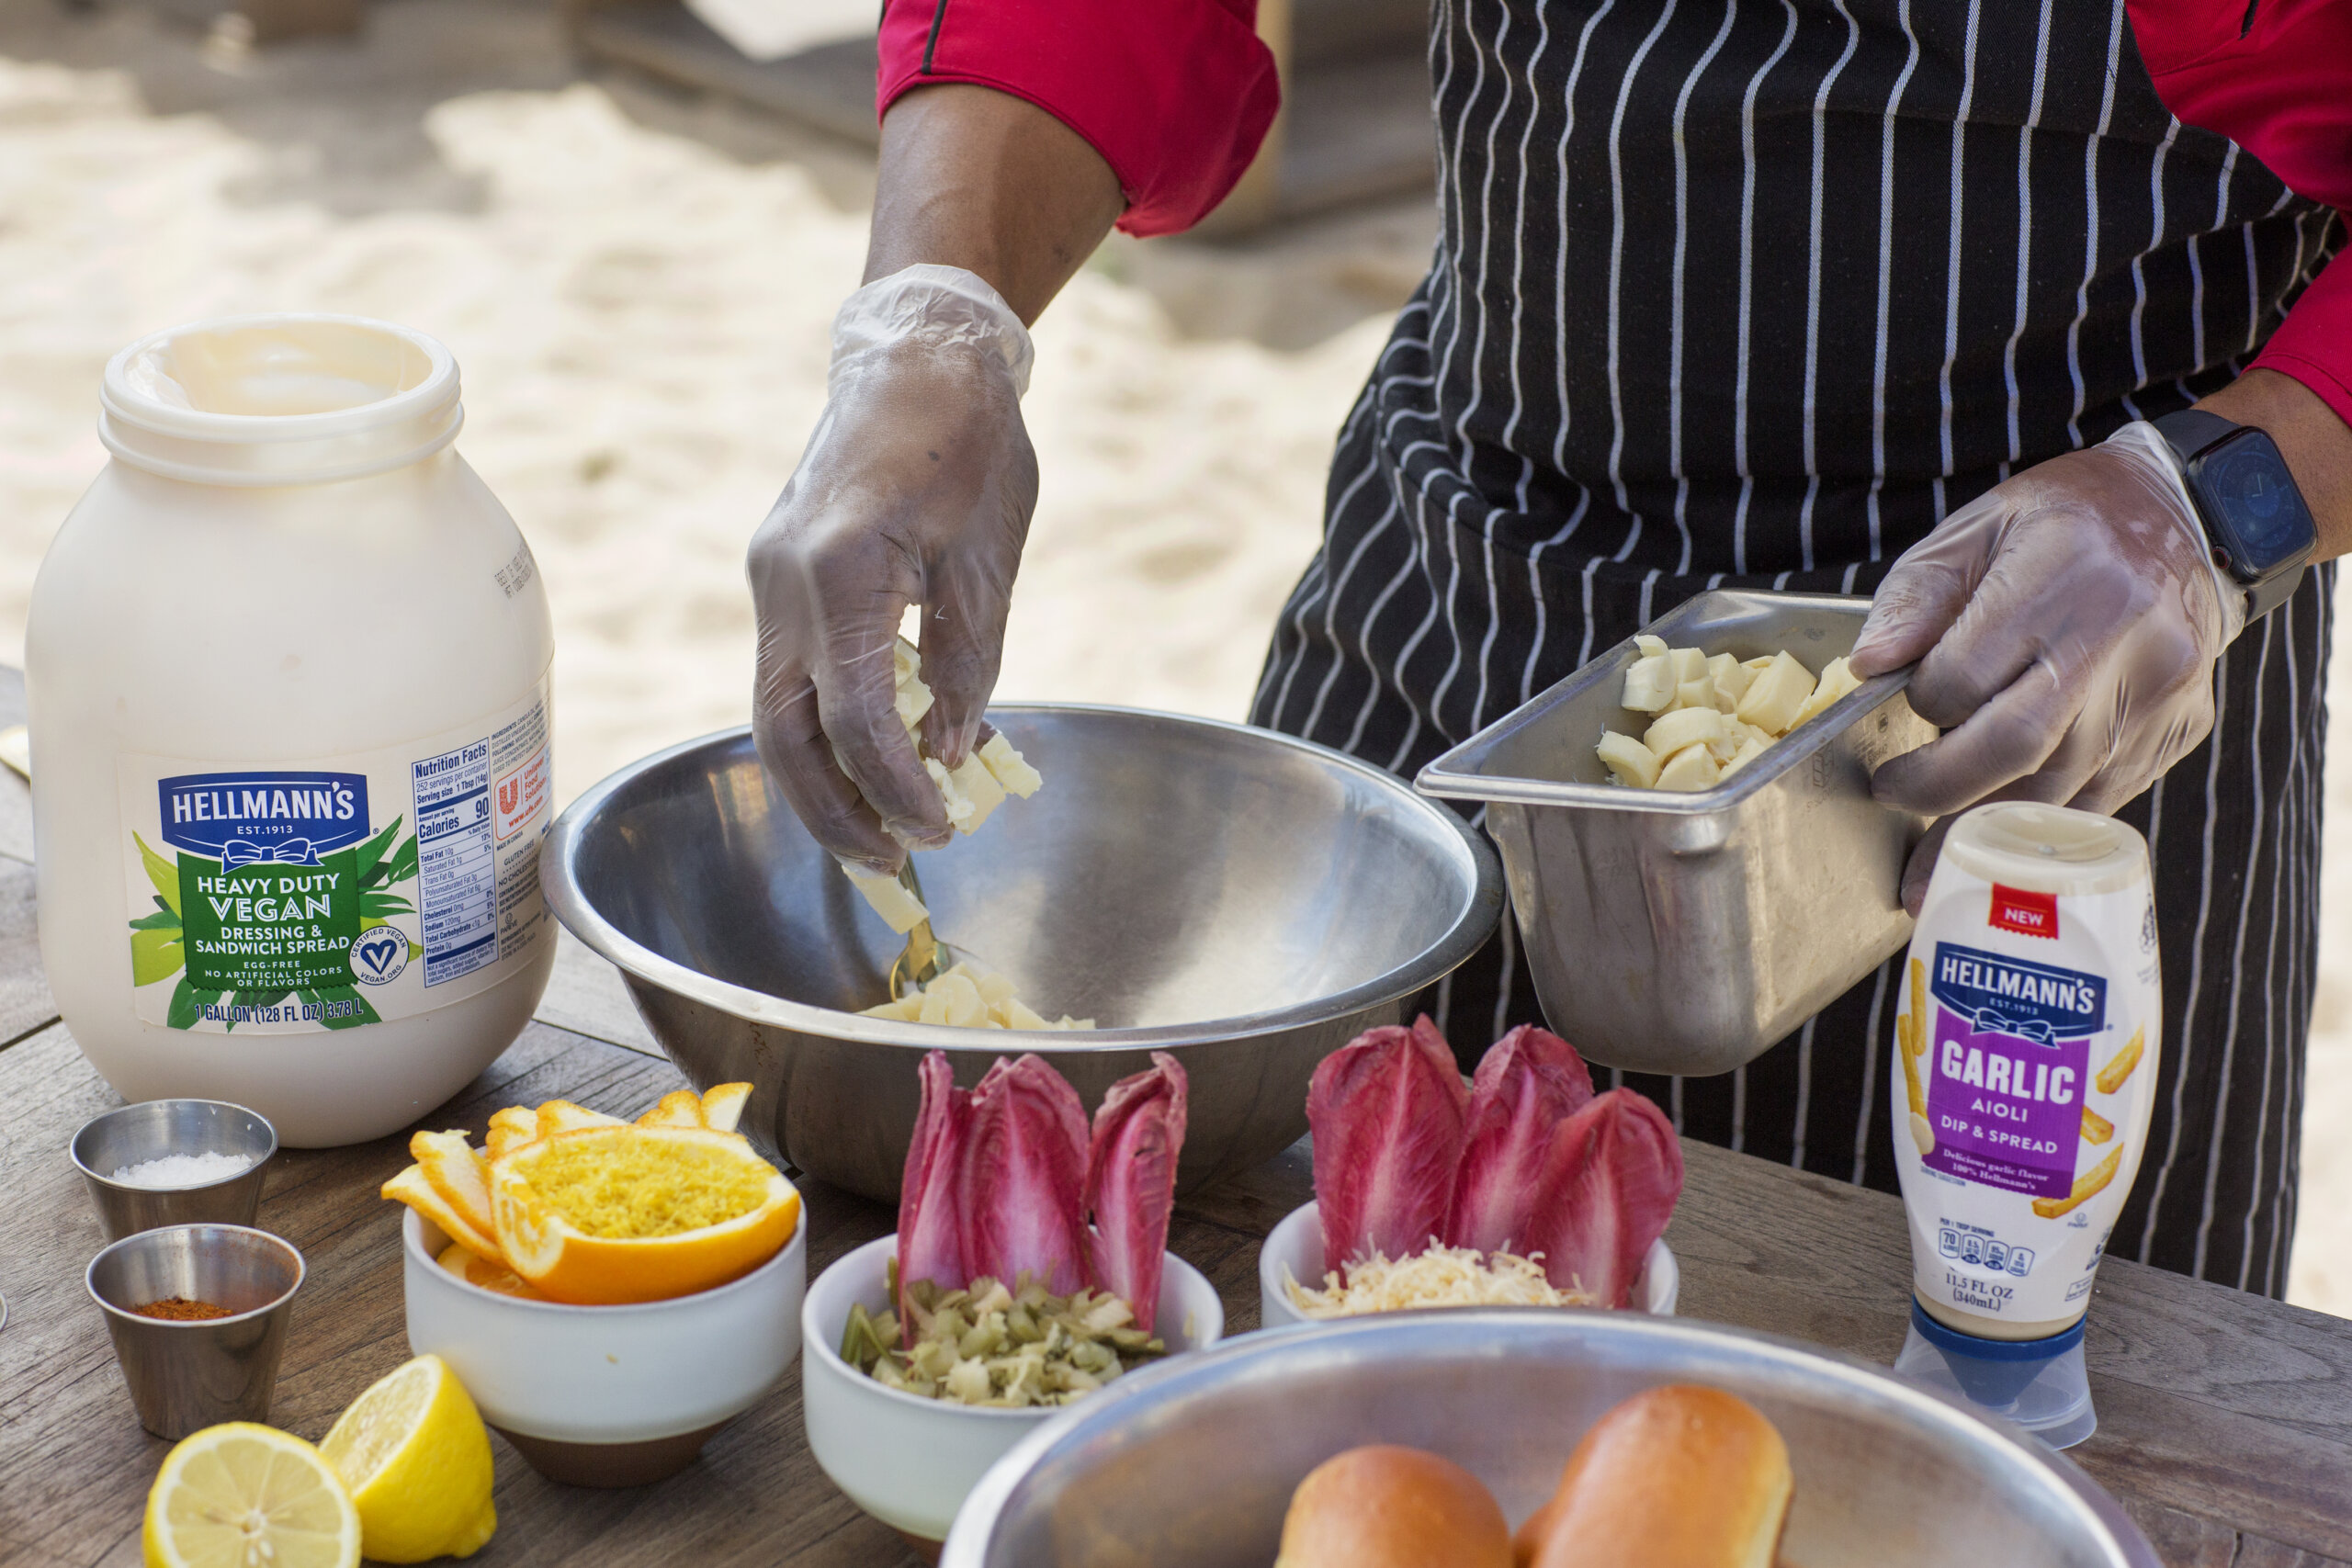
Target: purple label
column 2008, row 1112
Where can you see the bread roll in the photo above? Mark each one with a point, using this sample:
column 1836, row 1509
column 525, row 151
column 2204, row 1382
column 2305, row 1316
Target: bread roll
column 1392, row 1507
column 1677, row 1477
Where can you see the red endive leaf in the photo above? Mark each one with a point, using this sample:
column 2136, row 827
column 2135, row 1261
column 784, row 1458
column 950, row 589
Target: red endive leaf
column 1528, row 1082
column 931, row 1243
column 1609, row 1185
column 1131, row 1183
column 1024, row 1177
column 1387, row 1111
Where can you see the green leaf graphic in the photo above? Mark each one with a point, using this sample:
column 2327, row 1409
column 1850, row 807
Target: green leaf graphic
column 370, row 856
column 155, row 954
column 161, row 921
column 161, row 872
column 404, row 863
column 382, row 903
column 186, row 1002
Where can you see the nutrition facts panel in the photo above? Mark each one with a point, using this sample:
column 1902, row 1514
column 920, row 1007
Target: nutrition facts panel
column 457, row 862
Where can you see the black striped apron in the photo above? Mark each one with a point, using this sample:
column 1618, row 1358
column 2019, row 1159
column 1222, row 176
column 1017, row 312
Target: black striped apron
column 1753, row 292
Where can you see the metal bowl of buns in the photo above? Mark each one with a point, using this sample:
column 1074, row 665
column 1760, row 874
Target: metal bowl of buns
column 1878, row 1472
column 1244, row 900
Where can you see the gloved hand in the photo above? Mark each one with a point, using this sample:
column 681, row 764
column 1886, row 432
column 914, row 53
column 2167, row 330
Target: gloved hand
column 916, row 488
column 2065, row 625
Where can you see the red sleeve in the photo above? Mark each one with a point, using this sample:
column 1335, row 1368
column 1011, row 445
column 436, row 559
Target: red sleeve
column 1176, row 94
column 2282, row 88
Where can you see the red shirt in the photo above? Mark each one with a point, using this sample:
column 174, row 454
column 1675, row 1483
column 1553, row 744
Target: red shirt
column 1176, row 94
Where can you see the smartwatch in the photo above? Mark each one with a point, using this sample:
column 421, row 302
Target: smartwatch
column 2261, row 533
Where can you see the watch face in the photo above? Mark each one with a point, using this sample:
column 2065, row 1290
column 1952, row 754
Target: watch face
column 2251, row 497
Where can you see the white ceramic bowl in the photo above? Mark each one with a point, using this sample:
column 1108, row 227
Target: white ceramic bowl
column 1297, row 1243
column 608, row 1395
column 908, row 1461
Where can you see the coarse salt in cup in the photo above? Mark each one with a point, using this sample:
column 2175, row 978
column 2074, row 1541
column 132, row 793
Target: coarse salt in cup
column 286, row 667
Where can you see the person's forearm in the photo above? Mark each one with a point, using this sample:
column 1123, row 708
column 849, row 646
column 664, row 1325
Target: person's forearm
column 2315, row 442
column 982, row 180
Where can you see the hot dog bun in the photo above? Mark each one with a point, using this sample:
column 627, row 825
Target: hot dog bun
column 1392, row 1507
column 1676, row 1477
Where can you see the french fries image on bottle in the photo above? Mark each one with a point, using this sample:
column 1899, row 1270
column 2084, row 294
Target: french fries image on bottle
column 2096, row 1129
column 2113, row 1075
column 1907, row 1035
column 2089, row 1185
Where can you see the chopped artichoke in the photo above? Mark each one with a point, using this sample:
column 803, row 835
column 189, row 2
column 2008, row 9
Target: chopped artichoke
column 1005, row 1348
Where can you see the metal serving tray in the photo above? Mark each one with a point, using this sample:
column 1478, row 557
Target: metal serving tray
column 1686, row 934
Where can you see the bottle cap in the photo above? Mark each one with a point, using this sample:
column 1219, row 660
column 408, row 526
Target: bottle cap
column 2040, row 1384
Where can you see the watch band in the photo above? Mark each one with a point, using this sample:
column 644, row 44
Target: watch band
column 2190, row 431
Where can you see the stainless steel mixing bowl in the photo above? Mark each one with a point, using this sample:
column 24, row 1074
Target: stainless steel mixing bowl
column 1153, row 1469
column 1244, row 900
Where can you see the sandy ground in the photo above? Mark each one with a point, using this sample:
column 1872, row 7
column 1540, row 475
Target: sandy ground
column 638, row 285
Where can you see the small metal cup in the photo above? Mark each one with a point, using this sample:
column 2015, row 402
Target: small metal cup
column 184, row 1376
column 155, row 1128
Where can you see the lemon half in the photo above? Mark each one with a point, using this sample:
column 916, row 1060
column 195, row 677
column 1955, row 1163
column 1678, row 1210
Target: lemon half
column 241, row 1495
column 415, row 1454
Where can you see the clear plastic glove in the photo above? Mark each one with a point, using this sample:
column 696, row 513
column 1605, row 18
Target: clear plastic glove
column 916, row 488
column 2065, row 625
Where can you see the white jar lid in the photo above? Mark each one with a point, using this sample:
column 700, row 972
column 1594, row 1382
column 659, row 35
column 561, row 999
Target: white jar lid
column 279, row 399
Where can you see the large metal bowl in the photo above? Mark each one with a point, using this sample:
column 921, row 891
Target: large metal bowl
column 1244, row 900
column 1150, row 1471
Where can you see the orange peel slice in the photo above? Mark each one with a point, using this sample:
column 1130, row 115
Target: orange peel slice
column 457, row 1173
column 562, row 1116
column 679, row 1108
column 410, row 1187
column 486, row 1273
column 510, row 1129
column 722, row 1106
column 603, row 1215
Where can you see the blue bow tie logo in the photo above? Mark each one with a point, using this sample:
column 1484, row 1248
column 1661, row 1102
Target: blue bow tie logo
column 1991, row 1020
column 239, row 853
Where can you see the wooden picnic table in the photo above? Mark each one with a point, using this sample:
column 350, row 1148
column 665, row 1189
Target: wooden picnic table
column 2225, row 1419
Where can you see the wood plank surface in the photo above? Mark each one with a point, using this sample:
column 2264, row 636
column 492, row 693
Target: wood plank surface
column 587, row 995
column 2226, row 1419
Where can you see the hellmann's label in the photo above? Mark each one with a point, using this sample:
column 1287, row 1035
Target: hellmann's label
column 2025, row 1067
column 336, row 892
column 2007, row 1070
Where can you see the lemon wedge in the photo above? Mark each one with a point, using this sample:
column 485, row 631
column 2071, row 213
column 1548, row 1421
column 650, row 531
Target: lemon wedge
column 241, row 1495
column 417, row 1458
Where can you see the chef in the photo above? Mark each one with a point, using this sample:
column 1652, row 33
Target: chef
column 2016, row 314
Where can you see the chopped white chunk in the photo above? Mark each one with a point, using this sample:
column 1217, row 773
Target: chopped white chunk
column 1686, row 727
column 1692, row 768
column 1649, row 685
column 1778, row 693
column 1632, row 762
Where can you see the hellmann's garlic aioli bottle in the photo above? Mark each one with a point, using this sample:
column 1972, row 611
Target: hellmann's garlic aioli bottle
column 2025, row 1064
column 288, row 672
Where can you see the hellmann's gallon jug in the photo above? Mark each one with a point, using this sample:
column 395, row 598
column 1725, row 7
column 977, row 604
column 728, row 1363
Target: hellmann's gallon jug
column 288, row 673
column 2026, row 1059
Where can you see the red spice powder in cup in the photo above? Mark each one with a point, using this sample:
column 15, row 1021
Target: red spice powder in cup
column 179, row 1309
